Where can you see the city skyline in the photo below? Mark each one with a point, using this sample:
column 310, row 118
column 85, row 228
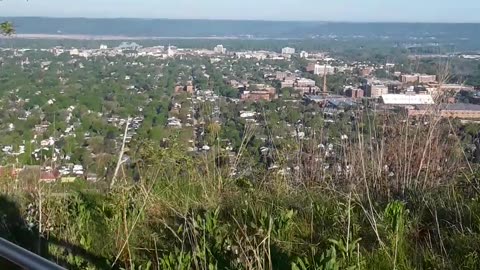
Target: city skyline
column 462, row 11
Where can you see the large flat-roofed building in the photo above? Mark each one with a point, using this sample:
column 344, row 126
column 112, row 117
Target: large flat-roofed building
column 281, row 75
column 260, row 92
column 436, row 89
column 375, row 90
column 456, row 110
column 402, row 99
column 354, row 93
column 288, row 50
column 408, row 78
column 455, row 87
column 287, row 83
column 256, row 96
column 264, row 87
column 418, row 78
column 219, row 49
column 306, row 86
column 307, row 90
column 427, row 78
column 304, row 82
column 319, row 69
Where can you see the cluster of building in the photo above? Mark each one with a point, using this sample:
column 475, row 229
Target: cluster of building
column 66, row 174
column 417, row 94
column 258, row 92
column 301, row 85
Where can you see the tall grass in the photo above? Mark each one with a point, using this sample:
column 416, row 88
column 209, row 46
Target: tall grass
column 398, row 193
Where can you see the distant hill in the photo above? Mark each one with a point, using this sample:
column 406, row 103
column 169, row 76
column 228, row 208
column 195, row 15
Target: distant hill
column 255, row 29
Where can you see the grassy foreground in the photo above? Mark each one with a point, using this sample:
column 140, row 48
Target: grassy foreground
column 187, row 213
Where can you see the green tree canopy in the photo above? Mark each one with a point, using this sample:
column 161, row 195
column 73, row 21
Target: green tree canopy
column 6, row 28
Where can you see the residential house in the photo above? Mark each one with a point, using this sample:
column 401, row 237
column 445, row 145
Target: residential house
column 92, row 177
column 48, row 176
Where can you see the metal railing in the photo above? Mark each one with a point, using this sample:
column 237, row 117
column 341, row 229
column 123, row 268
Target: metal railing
column 24, row 258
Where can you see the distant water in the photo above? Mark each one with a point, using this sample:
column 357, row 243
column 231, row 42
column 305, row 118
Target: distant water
column 244, row 29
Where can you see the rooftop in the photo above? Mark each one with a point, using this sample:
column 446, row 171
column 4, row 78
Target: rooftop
column 402, row 99
column 456, row 107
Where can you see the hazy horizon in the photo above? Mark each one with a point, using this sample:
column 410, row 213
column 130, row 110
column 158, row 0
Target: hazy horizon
column 381, row 11
column 259, row 20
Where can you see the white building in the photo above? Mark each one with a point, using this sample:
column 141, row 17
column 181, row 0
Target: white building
column 103, row 47
column 220, row 49
column 303, row 54
column 74, row 52
column 171, row 51
column 319, row 69
column 402, row 99
column 288, row 50
column 174, row 122
column 247, row 114
column 304, row 82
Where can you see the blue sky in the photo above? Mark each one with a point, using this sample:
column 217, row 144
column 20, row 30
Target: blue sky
column 318, row 10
